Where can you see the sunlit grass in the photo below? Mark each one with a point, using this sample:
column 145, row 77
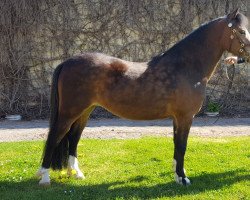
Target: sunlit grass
column 219, row 168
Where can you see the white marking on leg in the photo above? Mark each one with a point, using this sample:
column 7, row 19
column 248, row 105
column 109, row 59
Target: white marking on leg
column 44, row 174
column 174, row 165
column 73, row 168
column 177, row 178
column 187, row 181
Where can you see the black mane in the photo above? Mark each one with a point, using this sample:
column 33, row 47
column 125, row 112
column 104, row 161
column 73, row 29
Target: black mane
column 196, row 36
column 156, row 59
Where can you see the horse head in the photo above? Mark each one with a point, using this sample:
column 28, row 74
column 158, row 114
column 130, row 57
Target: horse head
column 236, row 36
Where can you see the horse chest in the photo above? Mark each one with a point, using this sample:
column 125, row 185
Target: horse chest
column 189, row 97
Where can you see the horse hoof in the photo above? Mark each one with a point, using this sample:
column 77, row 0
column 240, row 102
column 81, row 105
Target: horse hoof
column 44, row 184
column 186, row 181
column 182, row 181
column 77, row 174
column 80, row 176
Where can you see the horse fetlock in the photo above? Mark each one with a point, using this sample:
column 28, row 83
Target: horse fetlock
column 45, row 181
column 182, row 180
column 44, row 174
column 42, row 171
column 73, row 168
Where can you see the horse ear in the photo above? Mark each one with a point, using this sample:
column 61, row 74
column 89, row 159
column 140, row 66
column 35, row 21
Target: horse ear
column 233, row 14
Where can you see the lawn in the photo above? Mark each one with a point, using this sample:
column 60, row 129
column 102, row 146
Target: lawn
column 219, row 168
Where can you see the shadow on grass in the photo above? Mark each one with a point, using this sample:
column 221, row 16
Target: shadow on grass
column 135, row 187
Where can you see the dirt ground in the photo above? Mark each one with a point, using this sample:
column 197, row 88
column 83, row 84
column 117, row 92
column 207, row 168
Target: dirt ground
column 122, row 129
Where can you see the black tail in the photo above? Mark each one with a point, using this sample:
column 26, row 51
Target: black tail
column 60, row 154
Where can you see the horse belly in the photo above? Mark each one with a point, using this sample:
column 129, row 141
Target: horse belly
column 136, row 111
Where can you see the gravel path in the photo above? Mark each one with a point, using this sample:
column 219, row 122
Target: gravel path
column 122, row 129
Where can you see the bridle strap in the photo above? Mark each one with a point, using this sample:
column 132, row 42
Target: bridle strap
column 242, row 49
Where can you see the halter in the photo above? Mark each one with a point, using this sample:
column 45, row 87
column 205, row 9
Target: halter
column 242, row 49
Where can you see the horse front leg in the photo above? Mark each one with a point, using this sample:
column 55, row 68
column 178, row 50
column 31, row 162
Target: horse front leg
column 181, row 130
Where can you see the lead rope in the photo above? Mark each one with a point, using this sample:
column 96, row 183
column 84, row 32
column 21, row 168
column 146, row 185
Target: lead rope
column 226, row 71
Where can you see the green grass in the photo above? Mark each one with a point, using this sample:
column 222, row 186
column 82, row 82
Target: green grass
column 219, row 168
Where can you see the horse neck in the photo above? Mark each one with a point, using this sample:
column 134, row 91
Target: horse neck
column 200, row 51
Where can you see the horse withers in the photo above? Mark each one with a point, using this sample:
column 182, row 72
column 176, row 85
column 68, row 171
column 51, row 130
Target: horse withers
column 170, row 85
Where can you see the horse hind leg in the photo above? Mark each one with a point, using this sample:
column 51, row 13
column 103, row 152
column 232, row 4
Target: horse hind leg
column 55, row 149
column 74, row 137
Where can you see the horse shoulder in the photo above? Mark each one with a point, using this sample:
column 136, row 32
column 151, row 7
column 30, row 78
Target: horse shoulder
column 188, row 96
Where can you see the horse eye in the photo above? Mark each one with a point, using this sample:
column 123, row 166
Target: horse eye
column 242, row 32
